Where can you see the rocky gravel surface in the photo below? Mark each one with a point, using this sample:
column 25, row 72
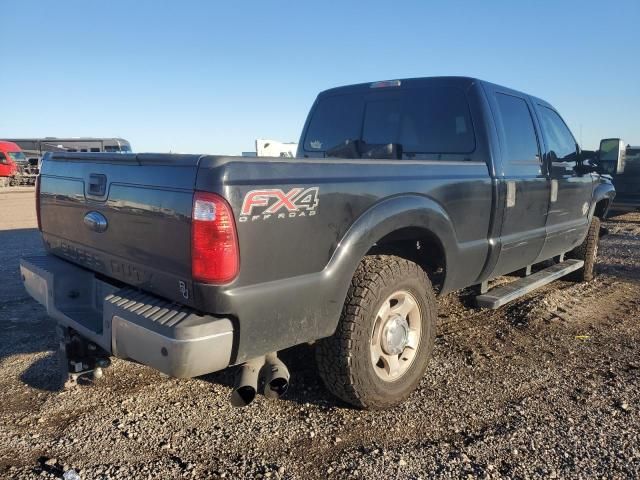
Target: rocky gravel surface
column 546, row 387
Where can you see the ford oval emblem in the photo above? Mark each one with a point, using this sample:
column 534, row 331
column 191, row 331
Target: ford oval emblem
column 96, row 222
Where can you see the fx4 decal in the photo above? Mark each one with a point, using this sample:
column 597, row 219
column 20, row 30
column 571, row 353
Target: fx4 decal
column 275, row 203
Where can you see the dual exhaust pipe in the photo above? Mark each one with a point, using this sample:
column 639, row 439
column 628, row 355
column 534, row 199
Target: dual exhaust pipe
column 270, row 368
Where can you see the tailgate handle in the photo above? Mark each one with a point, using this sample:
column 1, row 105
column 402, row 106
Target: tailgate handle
column 97, row 184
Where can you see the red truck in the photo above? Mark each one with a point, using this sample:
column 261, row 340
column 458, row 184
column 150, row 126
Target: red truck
column 10, row 153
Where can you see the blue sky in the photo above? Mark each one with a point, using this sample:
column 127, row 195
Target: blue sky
column 210, row 77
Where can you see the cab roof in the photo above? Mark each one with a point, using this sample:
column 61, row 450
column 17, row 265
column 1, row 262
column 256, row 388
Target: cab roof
column 9, row 147
column 461, row 82
column 451, row 81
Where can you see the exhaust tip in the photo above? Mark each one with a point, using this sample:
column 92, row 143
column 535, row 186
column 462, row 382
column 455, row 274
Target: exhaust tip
column 277, row 377
column 243, row 396
column 276, row 388
column 247, row 383
column 275, row 374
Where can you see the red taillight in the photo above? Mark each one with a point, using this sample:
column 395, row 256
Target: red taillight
column 38, row 203
column 214, row 244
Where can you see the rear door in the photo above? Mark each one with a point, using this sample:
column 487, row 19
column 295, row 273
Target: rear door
column 524, row 185
column 571, row 193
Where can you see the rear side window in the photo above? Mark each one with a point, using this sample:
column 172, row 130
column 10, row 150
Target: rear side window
column 557, row 135
column 518, row 133
column 335, row 120
column 421, row 120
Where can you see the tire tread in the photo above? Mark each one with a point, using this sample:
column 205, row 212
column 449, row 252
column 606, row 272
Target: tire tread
column 335, row 354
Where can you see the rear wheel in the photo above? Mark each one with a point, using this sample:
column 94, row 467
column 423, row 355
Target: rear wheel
column 587, row 251
column 384, row 339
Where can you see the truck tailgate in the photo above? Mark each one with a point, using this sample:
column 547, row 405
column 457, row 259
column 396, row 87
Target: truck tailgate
column 125, row 216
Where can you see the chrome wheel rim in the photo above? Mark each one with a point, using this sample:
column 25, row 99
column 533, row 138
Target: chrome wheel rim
column 396, row 336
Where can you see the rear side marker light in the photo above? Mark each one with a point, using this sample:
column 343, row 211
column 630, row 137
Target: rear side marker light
column 215, row 255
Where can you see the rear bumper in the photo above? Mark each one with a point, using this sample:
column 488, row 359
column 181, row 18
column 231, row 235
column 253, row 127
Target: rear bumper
column 128, row 323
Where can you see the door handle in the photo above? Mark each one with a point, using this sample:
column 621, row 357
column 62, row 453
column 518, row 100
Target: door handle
column 97, row 184
column 554, row 190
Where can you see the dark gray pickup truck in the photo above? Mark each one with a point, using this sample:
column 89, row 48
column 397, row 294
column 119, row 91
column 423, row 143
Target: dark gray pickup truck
column 401, row 190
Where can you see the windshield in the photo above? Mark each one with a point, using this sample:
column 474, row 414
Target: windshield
column 419, row 120
column 17, row 157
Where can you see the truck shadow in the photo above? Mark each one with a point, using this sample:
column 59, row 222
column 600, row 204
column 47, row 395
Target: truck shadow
column 24, row 325
column 43, row 374
column 26, row 329
column 619, row 271
column 14, row 244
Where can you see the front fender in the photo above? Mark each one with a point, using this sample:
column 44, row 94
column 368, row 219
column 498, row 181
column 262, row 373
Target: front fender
column 604, row 191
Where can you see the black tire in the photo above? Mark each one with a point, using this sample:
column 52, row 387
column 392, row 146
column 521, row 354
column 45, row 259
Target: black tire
column 344, row 359
column 587, row 251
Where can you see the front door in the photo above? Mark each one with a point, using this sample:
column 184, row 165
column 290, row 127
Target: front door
column 524, row 183
column 571, row 193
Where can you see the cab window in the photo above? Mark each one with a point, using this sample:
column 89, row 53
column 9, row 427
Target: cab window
column 560, row 141
column 16, row 156
column 423, row 120
column 519, row 139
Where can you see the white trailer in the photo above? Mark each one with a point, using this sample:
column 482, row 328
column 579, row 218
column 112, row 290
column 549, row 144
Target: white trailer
column 274, row 148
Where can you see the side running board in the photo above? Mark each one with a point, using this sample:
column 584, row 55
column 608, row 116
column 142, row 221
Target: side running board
column 498, row 296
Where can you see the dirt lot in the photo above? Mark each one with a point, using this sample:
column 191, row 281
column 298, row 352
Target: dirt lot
column 547, row 387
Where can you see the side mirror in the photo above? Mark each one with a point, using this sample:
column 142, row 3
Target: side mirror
column 611, row 156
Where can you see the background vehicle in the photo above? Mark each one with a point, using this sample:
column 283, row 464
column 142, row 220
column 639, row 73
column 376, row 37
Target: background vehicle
column 402, row 189
column 272, row 148
column 34, row 148
column 627, row 183
column 9, row 154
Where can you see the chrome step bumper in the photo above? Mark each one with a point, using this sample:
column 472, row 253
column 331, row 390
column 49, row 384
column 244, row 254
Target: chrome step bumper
column 129, row 323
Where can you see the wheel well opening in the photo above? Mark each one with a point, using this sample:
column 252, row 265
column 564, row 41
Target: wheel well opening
column 601, row 208
column 416, row 245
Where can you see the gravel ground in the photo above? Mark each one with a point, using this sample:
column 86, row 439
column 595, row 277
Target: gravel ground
column 546, row 387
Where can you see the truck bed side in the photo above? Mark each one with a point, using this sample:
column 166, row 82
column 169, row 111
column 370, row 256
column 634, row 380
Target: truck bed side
column 295, row 267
